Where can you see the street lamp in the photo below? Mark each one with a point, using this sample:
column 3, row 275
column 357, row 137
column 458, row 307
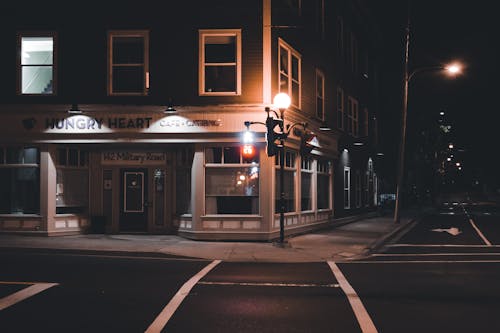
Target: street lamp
column 452, row 69
column 276, row 145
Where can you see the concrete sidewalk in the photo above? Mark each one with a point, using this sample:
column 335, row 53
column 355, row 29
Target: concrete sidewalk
column 349, row 241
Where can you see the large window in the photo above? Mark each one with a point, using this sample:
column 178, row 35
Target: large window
column 306, row 174
column 220, row 62
column 184, row 162
column 231, row 182
column 347, row 187
column 37, row 64
column 20, row 179
column 290, row 173
column 320, row 95
column 72, row 181
column 323, row 184
column 289, row 75
column 128, row 70
column 340, row 108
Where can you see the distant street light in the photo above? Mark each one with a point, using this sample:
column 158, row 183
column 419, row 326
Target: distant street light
column 452, row 69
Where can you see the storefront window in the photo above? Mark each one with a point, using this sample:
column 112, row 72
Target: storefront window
column 183, row 181
column 20, row 179
column 323, row 187
column 72, row 181
column 306, row 173
column 289, row 183
column 231, row 182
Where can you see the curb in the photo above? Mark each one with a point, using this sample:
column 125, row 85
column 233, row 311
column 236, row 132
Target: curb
column 391, row 237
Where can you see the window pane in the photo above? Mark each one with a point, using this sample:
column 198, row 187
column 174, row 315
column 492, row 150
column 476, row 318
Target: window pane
column 62, row 158
column 72, row 190
column 128, row 79
column 36, row 79
column 84, row 158
column 323, row 191
column 306, row 189
column 37, row 50
column 220, row 49
column 220, row 78
column 295, row 68
column 14, row 156
column 284, row 61
column 232, row 191
column 232, row 155
column 31, row 156
column 289, row 191
column 20, row 193
column 183, row 191
column 73, row 157
column 213, row 155
column 295, row 93
column 284, row 84
column 128, row 50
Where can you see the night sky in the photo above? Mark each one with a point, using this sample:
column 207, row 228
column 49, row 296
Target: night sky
column 442, row 31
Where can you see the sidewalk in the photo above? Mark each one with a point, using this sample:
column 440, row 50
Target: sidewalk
column 339, row 243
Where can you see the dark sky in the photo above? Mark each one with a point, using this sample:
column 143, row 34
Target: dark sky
column 441, row 31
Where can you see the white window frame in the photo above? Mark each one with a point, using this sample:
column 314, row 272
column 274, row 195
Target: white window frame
column 347, row 187
column 307, row 167
column 20, row 66
column 292, row 53
column 145, row 65
column 202, row 35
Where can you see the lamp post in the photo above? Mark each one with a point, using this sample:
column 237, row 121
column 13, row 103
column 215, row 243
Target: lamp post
column 281, row 102
column 452, row 69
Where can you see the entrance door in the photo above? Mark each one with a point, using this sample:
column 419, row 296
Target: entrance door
column 133, row 201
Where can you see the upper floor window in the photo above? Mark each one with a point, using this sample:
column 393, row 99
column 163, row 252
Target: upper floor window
column 289, row 75
column 340, row 36
column 320, row 18
column 340, row 108
column 352, row 116
column 37, row 64
column 128, row 64
column 220, row 62
column 320, row 95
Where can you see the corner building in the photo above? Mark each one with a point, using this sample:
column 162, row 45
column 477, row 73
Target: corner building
column 127, row 117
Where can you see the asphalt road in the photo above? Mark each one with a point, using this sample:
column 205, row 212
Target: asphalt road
column 442, row 276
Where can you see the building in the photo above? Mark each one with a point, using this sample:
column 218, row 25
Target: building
column 127, row 117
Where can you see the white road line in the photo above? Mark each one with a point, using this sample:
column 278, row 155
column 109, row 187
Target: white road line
column 424, row 262
column 485, row 240
column 364, row 320
column 24, row 293
column 442, row 245
column 167, row 312
column 256, row 284
column 433, row 254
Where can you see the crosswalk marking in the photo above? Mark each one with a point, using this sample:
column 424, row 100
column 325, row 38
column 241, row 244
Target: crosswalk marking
column 23, row 294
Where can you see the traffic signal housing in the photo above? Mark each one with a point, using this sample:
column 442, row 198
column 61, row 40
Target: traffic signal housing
column 272, row 147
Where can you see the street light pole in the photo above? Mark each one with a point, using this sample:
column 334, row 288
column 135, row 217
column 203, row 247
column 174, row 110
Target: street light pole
column 399, row 181
column 282, row 191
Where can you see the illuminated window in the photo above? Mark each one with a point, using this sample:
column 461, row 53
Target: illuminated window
column 36, row 64
column 289, row 75
column 290, row 174
column 231, row 182
column 320, row 95
column 128, row 70
column 347, row 187
column 20, row 179
column 72, row 180
column 220, row 62
column 340, row 108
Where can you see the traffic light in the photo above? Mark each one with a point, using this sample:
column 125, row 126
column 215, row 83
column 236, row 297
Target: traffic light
column 308, row 142
column 271, row 136
column 248, row 151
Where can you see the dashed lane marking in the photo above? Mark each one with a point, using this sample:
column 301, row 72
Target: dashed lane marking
column 364, row 320
column 167, row 312
column 33, row 289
